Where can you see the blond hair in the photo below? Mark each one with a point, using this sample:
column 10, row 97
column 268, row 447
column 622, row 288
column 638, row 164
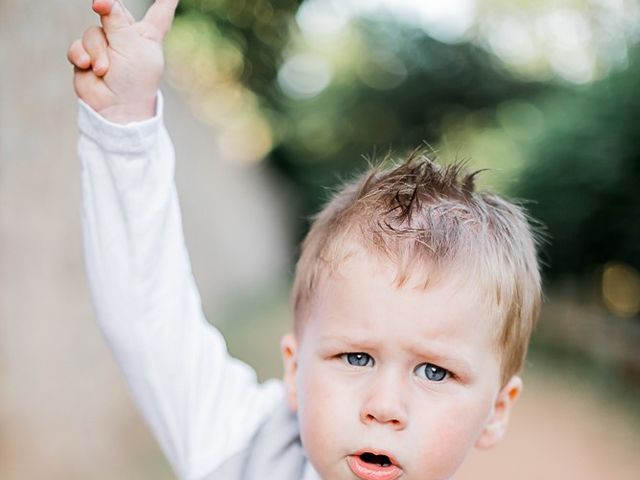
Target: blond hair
column 427, row 217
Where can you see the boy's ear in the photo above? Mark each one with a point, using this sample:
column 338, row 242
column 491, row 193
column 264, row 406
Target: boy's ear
column 496, row 426
column 289, row 351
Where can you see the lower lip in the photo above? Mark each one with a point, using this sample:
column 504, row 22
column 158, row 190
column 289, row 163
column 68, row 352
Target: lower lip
column 371, row 471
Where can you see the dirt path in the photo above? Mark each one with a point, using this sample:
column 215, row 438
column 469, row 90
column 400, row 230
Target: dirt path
column 562, row 430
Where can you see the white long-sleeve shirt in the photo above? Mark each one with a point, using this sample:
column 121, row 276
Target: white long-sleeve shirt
column 204, row 407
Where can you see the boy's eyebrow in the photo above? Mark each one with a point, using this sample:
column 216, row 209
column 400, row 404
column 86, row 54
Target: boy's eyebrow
column 347, row 340
column 458, row 363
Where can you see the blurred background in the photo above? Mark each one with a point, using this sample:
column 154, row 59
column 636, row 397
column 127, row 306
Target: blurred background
column 271, row 103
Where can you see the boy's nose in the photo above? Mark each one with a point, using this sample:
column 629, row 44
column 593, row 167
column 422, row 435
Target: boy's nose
column 385, row 404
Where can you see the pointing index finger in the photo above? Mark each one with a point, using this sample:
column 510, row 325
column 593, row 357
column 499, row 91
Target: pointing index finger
column 160, row 15
column 113, row 14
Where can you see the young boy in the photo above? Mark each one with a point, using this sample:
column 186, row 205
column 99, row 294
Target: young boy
column 413, row 300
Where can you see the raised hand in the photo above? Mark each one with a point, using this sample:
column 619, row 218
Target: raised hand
column 118, row 65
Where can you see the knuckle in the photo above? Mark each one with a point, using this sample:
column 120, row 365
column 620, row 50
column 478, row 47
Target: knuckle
column 92, row 35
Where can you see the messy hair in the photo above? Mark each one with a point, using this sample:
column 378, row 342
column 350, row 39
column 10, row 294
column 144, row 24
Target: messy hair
column 427, row 217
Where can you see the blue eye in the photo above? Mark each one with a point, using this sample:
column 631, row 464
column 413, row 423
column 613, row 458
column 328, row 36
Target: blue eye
column 358, row 359
column 432, row 372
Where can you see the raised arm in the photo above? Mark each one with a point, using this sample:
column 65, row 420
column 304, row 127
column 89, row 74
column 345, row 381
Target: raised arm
column 202, row 405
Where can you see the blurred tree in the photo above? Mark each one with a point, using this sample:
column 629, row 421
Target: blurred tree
column 402, row 84
column 390, row 85
column 584, row 174
column 391, row 88
column 258, row 28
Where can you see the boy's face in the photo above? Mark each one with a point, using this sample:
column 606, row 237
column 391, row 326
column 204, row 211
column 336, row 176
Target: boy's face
column 406, row 373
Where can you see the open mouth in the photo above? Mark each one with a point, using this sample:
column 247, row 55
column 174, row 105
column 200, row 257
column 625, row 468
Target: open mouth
column 381, row 460
column 374, row 466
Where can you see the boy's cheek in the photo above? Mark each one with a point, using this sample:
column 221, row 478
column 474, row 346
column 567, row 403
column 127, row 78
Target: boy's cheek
column 304, row 377
column 322, row 394
column 327, row 417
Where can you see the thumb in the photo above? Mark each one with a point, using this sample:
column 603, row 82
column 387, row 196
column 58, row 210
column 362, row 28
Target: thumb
column 160, row 16
column 113, row 14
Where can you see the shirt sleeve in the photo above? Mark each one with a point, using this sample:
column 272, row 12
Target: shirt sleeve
column 201, row 404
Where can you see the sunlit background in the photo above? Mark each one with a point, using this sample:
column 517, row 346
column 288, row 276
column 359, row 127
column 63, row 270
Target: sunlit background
column 271, row 104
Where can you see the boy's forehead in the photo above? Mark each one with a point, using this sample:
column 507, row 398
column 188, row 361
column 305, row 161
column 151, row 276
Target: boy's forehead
column 365, row 284
column 359, row 263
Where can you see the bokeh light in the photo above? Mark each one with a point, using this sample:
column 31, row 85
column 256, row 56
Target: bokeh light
column 621, row 289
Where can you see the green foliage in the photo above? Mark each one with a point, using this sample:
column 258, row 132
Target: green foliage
column 258, row 28
column 400, row 86
column 391, row 86
column 391, row 91
column 585, row 172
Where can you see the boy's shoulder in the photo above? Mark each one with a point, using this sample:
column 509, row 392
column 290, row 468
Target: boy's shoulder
column 275, row 448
